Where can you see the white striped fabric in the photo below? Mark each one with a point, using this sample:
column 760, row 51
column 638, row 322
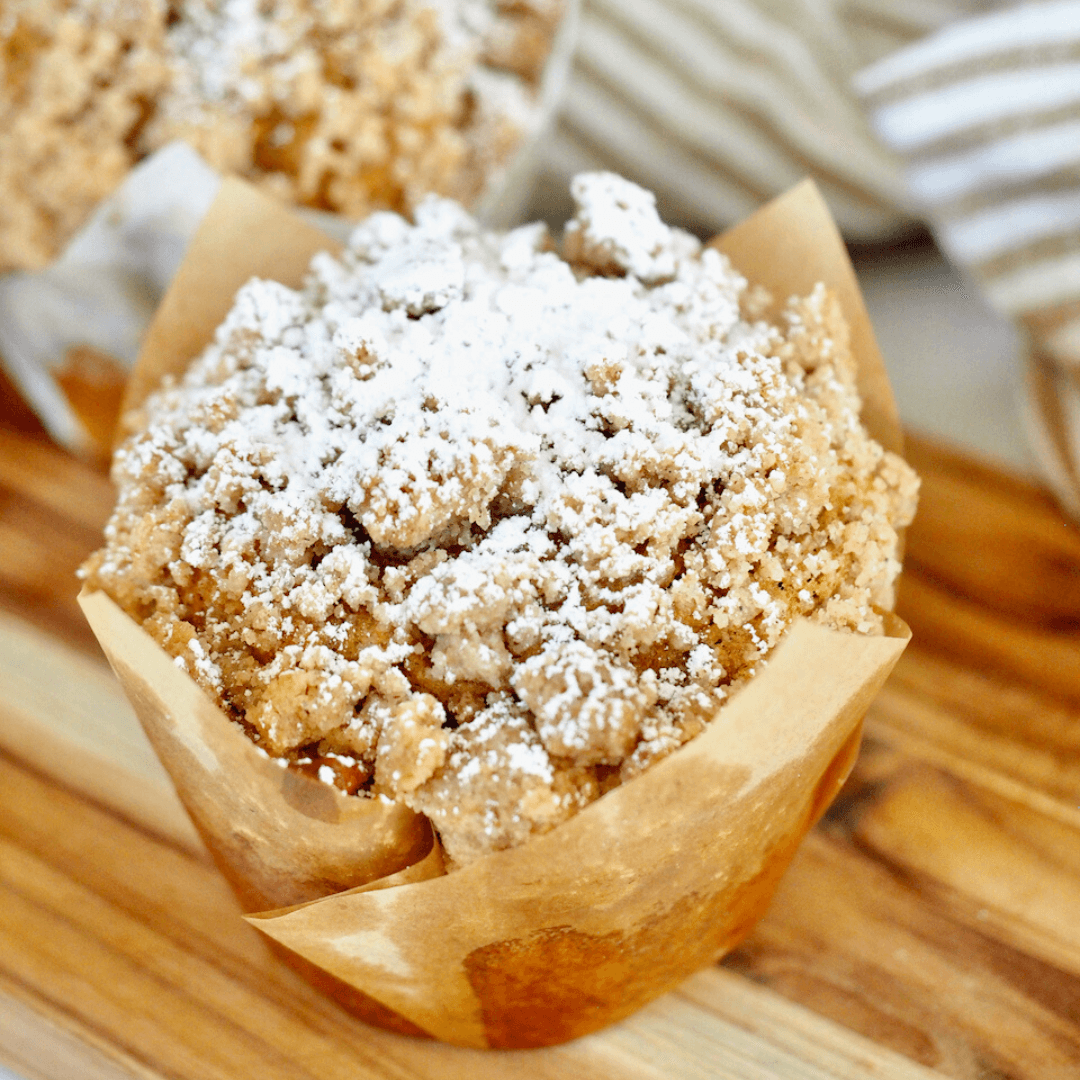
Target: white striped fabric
column 980, row 40
column 1015, row 159
column 1037, row 286
column 986, row 114
column 719, row 104
column 917, row 123
column 997, row 230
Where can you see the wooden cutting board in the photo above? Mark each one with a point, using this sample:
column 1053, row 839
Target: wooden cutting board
column 929, row 927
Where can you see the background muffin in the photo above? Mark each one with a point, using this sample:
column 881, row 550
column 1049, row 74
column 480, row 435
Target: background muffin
column 344, row 105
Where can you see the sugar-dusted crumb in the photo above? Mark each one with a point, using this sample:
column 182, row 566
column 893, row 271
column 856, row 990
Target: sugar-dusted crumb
column 499, row 785
column 497, row 529
column 344, row 105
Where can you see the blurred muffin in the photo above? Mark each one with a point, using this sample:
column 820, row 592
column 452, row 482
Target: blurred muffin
column 341, row 105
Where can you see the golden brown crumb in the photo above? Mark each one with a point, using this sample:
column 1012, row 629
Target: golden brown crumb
column 471, row 527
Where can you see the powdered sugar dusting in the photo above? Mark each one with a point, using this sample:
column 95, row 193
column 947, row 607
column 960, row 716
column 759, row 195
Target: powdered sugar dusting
column 495, row 528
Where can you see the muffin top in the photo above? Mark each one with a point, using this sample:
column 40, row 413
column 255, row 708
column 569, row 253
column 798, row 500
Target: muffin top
column 488, row 529
column 343, row 105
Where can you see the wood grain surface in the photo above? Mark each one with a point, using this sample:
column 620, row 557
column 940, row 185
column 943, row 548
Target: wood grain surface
column 930, row 926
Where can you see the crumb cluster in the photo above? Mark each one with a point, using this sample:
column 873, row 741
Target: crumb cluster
column 488, row 529
column 343, row 105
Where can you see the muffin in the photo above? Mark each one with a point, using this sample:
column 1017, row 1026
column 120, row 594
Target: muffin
column 485, row 528
column 575, row 925
column 342, row 106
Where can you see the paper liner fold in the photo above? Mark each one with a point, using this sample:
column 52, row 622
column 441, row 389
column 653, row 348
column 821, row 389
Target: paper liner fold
column 244, row 234
column 581, row 926
column 790, row 245
column 259, row 821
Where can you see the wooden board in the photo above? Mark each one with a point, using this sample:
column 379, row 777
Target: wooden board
column 930, row 927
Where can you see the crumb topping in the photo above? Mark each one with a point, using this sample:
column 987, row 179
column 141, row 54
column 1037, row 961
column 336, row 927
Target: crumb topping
column 343, row 105
column 488, row 530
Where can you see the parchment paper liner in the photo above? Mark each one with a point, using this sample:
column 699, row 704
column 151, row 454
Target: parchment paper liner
column 576, row 928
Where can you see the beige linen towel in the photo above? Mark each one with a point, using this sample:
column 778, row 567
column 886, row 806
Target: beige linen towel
column 719, row 104
column 985, row 114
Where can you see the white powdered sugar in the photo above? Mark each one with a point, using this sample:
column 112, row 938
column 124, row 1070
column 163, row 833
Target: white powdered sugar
column 487, row 531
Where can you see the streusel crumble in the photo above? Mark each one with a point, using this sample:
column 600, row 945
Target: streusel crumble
column 487, row 529
column 343, row 105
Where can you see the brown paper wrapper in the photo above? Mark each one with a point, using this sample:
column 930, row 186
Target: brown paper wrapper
column 581, row 926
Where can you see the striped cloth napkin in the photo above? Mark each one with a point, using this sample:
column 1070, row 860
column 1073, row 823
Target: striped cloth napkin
column 717, row 105
column 985, row 114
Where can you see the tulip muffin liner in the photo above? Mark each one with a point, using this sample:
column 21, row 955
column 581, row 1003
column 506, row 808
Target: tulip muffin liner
column 578, row 927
